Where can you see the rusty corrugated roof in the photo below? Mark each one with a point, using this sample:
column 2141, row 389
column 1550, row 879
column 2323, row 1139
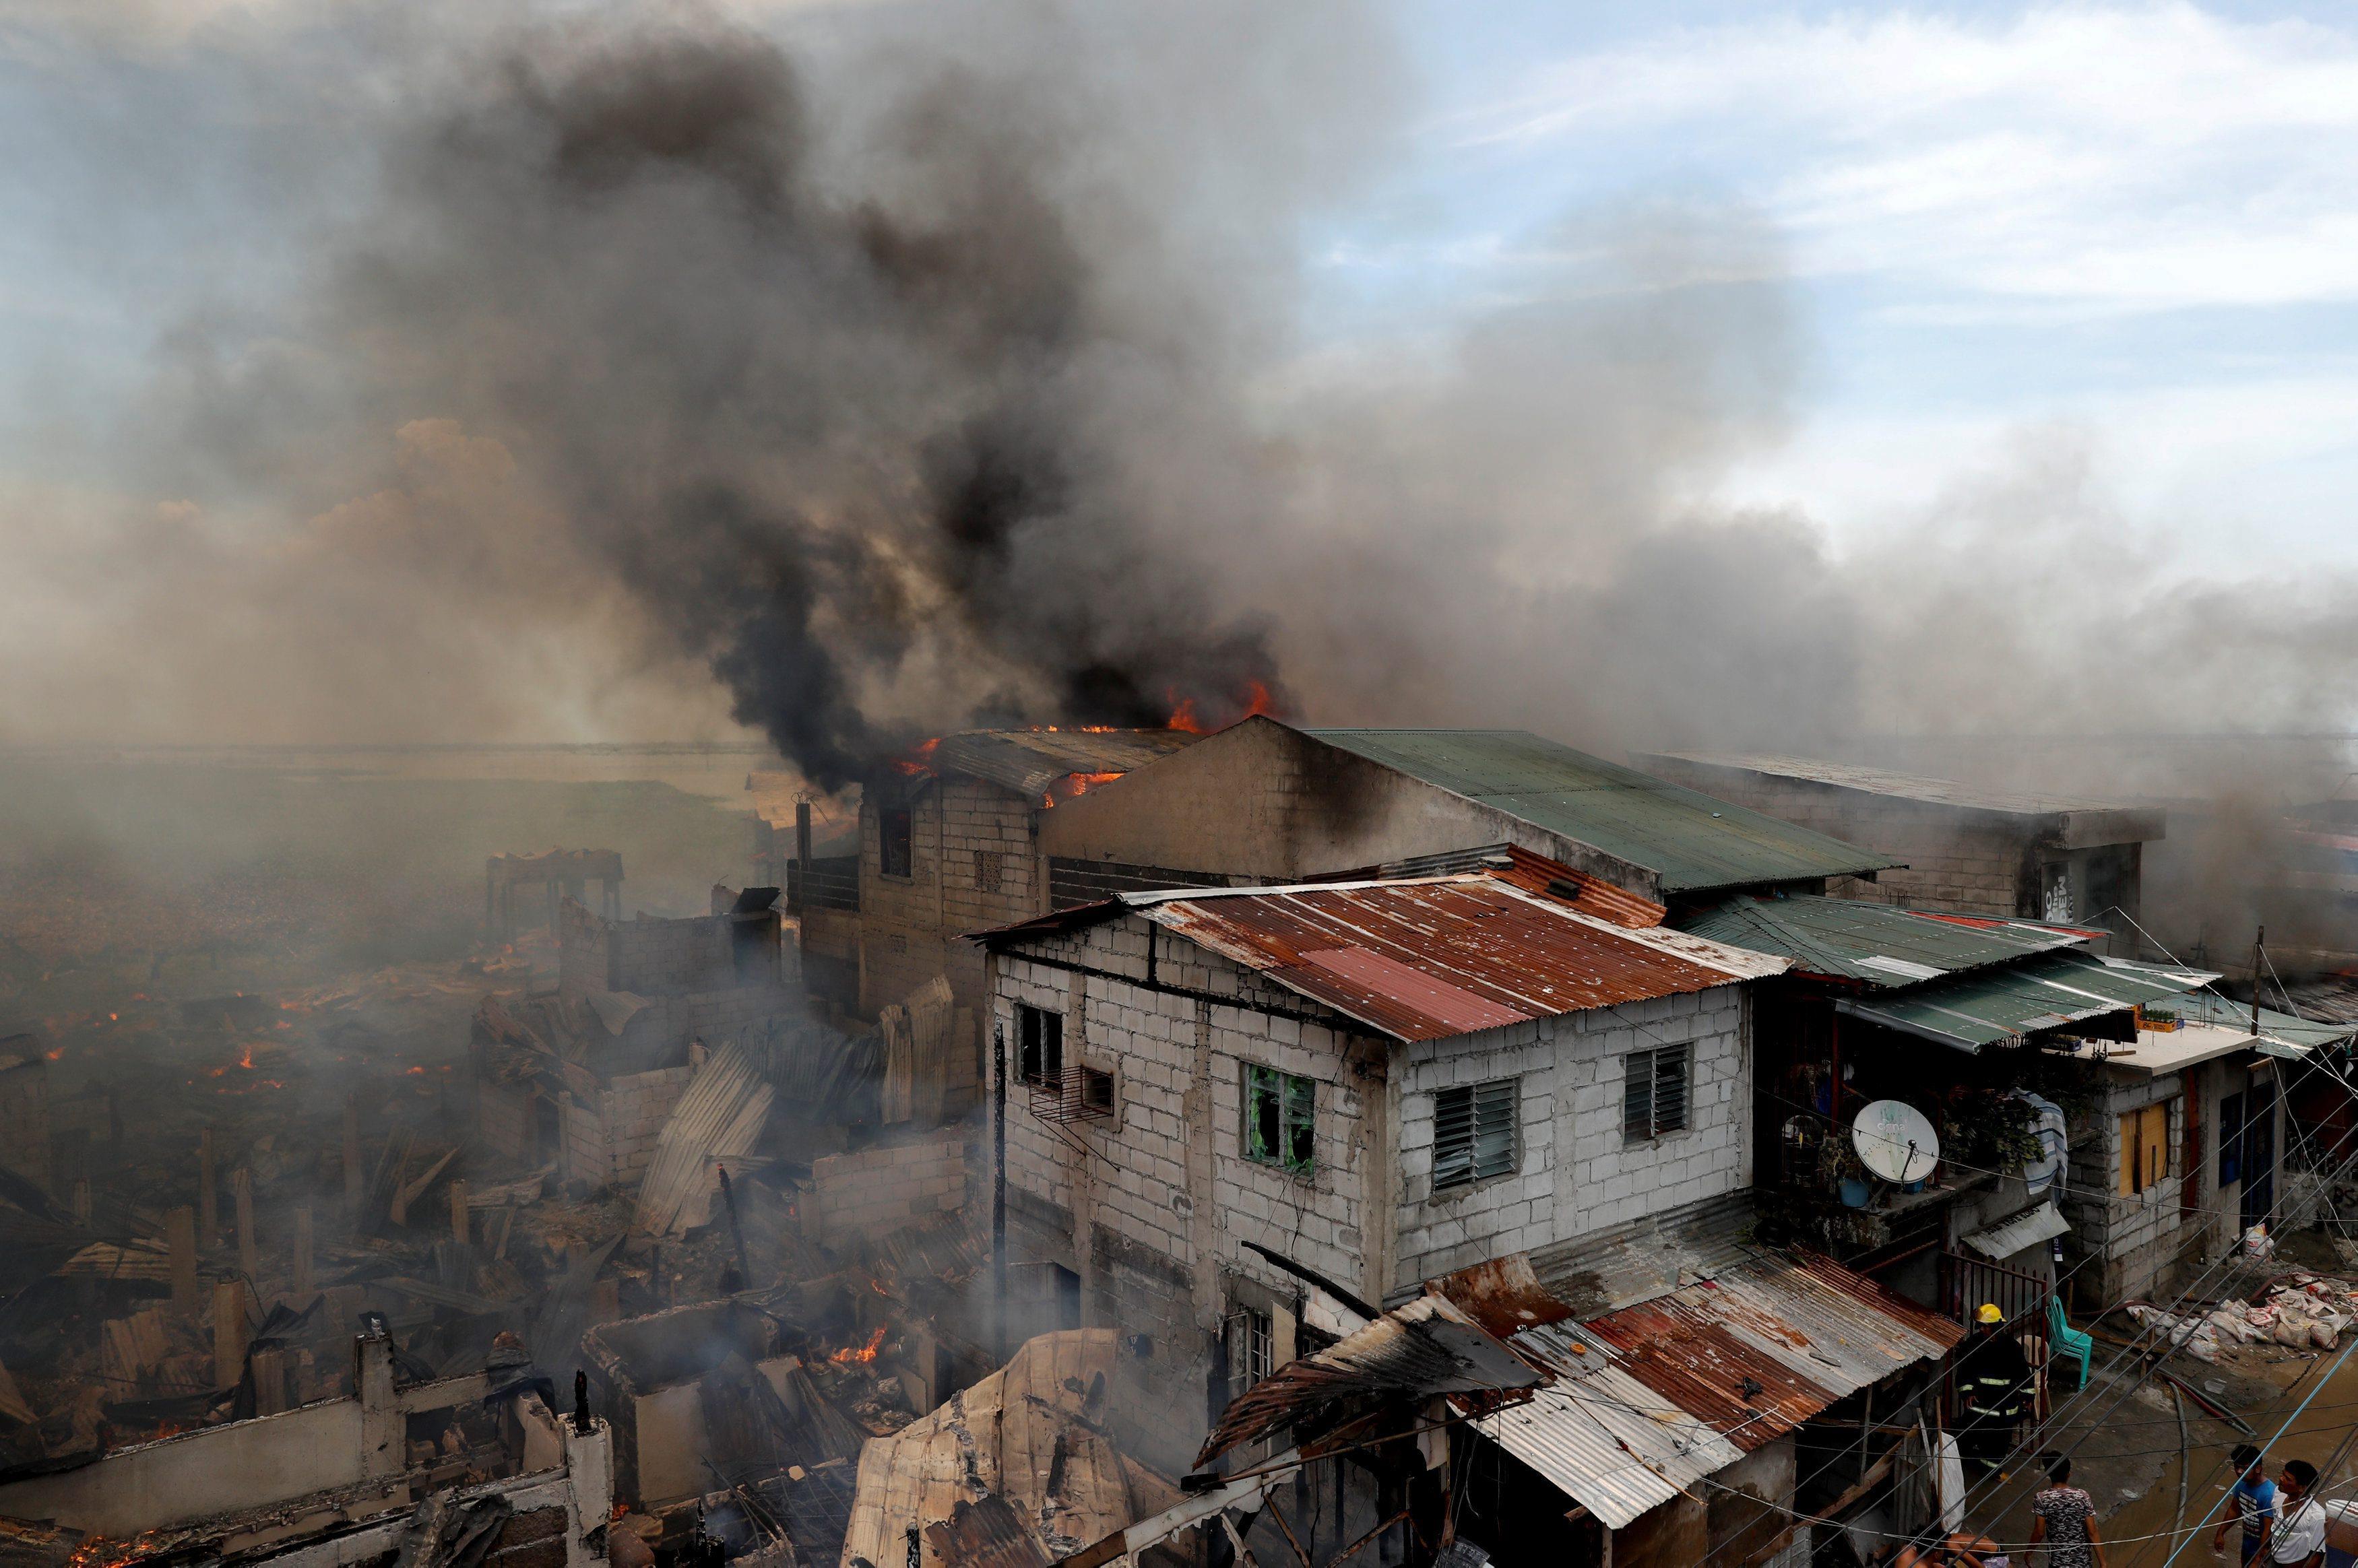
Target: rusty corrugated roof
column 1650, row 1400
column 1429, row 959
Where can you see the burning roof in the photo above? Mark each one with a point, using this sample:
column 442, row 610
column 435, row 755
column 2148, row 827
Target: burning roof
column 1428, row 957
column 1031, row 761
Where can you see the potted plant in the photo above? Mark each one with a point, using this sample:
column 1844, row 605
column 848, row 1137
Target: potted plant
column 1843, row 1171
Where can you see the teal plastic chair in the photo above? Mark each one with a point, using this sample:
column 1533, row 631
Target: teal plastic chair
column 2064, row 1342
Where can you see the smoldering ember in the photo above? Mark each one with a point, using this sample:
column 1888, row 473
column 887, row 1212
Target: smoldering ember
column 1002, row 786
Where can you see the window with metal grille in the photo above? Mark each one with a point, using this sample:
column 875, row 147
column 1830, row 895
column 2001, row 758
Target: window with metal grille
column 986, row 871
column 892, row 840
column 1040, row 1044
column 1280, row 1115
column 1251, row 1349
column 1654, row 1092
column 1474, row 1132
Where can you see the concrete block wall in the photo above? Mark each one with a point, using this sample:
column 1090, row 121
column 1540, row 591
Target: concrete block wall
column 911, row 926
column 1575, row 1172
column 636, row 1110
column 503, row 1119
column 2138, row 1238
column 870, row 1192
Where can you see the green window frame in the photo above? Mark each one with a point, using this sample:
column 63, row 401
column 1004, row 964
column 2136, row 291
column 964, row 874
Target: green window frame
column 1281, row 1119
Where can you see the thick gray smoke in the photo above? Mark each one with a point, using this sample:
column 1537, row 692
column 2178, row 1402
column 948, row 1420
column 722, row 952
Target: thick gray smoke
column 918, row 366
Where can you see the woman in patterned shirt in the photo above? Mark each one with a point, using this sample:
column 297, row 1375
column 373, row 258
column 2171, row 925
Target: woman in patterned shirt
column 2066, row 1521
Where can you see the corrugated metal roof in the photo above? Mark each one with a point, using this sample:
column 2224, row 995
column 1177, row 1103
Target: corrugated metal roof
column 1030, row 761
column 1902, row 786
column 1425, row 1347
column 1689, row 840
column 1425, row 959
column 1881, row 944
column 1533, row 873
column 2302, row 1034
column 1651, row 1398
column 1986, row 1007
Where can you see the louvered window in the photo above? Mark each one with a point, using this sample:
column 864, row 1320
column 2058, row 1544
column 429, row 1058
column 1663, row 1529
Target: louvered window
column 1039, row 1045
column 1654, row 1092
column 1474, row 1132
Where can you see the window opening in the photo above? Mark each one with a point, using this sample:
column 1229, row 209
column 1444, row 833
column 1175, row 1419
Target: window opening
column 1040, row 1044
column 892, row 840
column 1279, row 1120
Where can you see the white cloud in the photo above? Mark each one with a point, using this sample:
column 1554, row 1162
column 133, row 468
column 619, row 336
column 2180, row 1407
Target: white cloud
column 2118, row 157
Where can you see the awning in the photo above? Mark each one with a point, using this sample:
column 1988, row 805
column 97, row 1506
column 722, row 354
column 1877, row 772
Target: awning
column 1990, row 1007
column 1648, row 1401
column 2003, row 1241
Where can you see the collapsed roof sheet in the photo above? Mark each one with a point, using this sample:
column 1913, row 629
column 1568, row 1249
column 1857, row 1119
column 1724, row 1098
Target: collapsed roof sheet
column 1029, row 761
column 1432, row 957
column 1989, row 1007
column 1650, row 1400
column 1425, row 1347
column 1690, row 841
column 1880, row 944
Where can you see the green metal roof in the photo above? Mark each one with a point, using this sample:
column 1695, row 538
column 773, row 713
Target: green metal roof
column 1878, row 943
column 1692, row 842
column 1986, row 1007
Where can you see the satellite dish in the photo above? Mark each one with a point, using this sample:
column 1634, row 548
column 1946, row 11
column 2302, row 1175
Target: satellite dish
column 1896, row 1142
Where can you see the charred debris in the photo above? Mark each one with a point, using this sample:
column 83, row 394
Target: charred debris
column 1104, row 1145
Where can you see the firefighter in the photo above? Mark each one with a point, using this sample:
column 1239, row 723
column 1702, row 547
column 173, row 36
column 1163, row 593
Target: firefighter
column 1994, row 1385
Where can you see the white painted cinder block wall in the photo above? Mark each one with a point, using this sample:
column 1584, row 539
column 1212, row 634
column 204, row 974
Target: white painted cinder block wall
column 1575, row 1173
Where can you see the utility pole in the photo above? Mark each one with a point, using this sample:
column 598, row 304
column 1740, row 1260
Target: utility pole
column 999, row 1184
column 2260, row 947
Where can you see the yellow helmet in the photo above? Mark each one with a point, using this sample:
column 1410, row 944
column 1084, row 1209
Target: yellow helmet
column 1988, row 1313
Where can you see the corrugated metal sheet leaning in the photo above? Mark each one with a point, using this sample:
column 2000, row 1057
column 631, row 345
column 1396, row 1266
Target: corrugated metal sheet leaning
column 1413, row 1352
column 721, row 1115
column 1646, row 1401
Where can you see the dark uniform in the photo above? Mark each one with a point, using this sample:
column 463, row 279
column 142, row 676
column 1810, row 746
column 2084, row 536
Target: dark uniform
column 1994, row 1383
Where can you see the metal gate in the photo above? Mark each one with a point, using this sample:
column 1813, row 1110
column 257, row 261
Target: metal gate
column 1967, row 1282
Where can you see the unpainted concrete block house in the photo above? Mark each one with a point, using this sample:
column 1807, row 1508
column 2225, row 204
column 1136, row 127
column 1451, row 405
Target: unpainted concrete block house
column 586, row 1078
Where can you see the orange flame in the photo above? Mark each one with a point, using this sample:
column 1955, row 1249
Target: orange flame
column 1072, row 785
column 1186, row 718
column 920, row 758
column 861, row 1355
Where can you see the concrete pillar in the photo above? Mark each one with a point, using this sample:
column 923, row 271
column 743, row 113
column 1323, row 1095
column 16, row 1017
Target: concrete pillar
column 383, row 1428
column 229, row 1332
column 180, row 1238
column 352, row 1194
column 269, row 1381
column 208, row 1197
column 249, row 1261
column 302, row 1279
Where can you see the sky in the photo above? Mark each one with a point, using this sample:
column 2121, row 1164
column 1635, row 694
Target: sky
column 2110, row 241
column 2129, row 227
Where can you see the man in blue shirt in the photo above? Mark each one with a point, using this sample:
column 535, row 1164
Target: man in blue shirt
column 2255, row 1500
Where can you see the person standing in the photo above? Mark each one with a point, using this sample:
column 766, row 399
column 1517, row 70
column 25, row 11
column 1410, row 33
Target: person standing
column 2298, row 1540
column 1994, row 1383
column 2254, row 1498
column 2064, row 1520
